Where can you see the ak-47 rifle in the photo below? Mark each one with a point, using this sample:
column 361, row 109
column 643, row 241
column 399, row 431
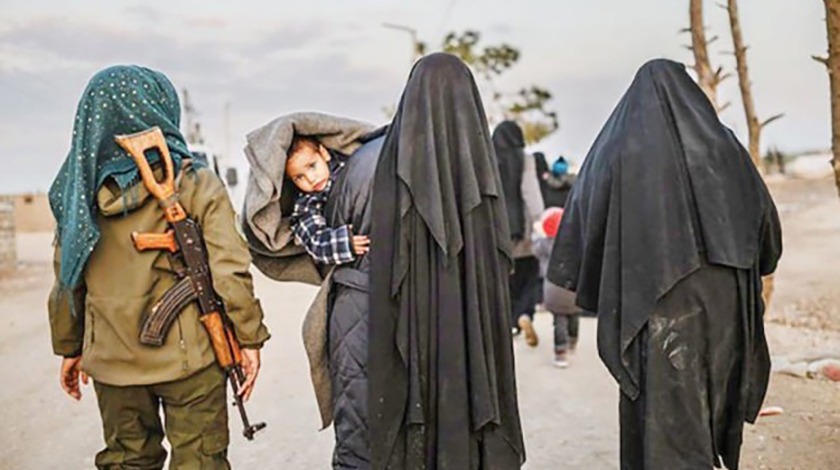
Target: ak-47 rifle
column 185, row 241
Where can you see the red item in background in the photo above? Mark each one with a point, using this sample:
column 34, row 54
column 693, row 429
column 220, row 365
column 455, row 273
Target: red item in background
column 551, row 221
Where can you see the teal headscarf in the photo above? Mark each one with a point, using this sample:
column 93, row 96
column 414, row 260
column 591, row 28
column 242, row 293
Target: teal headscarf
column 117, row 100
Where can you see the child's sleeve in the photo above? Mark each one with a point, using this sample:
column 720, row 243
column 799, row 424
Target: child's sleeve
column 230, row 262
column 66, row 327
column 324, row 244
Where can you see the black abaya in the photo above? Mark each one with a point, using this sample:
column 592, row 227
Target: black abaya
column 670, row 223
column 442, row 391
column 509, row 144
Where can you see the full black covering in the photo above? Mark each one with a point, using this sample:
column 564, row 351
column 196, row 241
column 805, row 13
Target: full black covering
column 666, row 199
column 509, row 143
column 441, row 371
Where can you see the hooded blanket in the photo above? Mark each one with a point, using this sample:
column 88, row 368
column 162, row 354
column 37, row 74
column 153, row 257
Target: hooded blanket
column 441, row 368
column 269, row 201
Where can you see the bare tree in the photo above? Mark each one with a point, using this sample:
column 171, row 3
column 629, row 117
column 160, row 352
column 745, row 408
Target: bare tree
column 832, row 63
column 754, row 126
column 527, row 106
column 707, row 77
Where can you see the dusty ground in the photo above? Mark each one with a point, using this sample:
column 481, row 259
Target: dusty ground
column 569, row 416
column 803, row 321
column 805, row 437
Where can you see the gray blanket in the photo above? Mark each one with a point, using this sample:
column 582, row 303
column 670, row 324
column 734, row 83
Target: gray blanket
column 266, row 153
column 268, row 203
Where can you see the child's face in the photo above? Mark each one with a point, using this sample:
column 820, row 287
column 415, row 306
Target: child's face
column 308, row 168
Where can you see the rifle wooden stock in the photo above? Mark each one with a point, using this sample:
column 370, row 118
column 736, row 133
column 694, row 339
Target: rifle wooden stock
column 164, row 191
column 155, row 241
column 234, row 345
column 136, row 145
column 220, row 339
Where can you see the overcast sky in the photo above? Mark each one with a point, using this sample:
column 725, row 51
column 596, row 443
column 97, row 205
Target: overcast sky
column 268, row 58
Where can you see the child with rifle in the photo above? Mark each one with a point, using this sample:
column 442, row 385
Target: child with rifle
column 105, row 287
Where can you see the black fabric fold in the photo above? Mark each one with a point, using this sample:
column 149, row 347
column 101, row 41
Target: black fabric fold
column 667, row 191
column 509, row 143
column 442, row 386
column 662, row 159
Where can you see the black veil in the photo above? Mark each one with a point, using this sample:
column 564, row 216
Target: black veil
column 662, row 165
column 442, row 386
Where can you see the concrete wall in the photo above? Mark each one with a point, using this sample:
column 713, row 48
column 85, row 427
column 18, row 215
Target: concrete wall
column 32, row 213
column 8, row 242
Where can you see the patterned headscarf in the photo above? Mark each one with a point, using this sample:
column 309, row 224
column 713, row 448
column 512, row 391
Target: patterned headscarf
column 117, row 100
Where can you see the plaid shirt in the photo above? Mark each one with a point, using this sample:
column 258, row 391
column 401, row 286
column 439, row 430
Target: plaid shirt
column 324, row 244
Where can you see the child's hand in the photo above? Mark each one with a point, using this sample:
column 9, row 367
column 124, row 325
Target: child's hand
column 361, row 244
column 251, row 366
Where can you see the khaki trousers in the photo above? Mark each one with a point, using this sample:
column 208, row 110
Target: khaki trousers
column 196, row 423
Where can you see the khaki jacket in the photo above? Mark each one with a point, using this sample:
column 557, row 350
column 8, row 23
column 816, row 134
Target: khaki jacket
column 121, row 285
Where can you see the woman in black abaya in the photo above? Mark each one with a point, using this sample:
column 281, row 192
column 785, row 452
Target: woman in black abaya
column 667, row 234
column 442, row 391
column 524, row 202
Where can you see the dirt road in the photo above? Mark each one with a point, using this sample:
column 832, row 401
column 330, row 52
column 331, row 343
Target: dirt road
column 569, row 416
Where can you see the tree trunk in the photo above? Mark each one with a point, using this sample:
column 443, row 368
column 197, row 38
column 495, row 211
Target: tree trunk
column 706, row 78
column 753, row 125
column 832, row 19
